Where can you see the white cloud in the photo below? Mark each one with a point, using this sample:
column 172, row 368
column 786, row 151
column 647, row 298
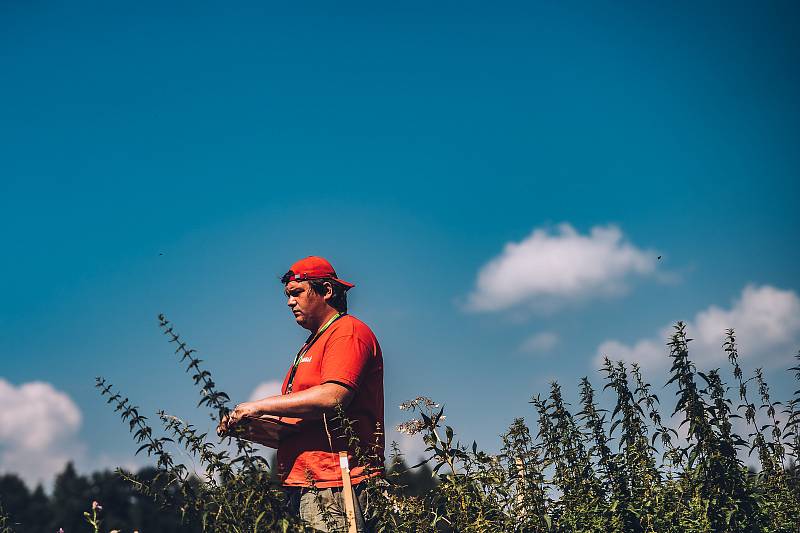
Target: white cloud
column 38, row 430
column 39, row 434
column 265, row 389
column 763, row 317
column 539, row 343
column 766, row 321
column 548, row 269
column 411, row 446
column 645, row 350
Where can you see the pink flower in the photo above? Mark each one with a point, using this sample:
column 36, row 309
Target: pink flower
column 96, row 506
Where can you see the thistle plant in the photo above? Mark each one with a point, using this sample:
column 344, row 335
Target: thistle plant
column 527, row 498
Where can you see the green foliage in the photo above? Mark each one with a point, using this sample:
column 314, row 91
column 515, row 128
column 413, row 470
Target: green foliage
column 620, row 471
column 595, row 470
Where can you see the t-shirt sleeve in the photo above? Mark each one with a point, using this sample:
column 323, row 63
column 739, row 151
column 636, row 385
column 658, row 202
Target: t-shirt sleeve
column 346, row 360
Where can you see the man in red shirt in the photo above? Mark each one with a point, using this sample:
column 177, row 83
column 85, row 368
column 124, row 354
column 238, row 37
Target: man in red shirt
column 340, row 364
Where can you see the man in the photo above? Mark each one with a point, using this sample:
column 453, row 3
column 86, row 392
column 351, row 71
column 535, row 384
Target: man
column 339, row 365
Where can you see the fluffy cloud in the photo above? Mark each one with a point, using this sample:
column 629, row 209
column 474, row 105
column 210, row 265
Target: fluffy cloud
column 38, row 430
column 548, row 269
column 647, row 352
column 766, row 320
column 411, row 446
column 268, row 388
column 539, row 343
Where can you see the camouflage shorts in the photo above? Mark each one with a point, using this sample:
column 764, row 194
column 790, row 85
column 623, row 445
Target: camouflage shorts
column 323, row 509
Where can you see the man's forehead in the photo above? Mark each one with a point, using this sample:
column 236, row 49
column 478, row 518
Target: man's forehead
column 296, row 285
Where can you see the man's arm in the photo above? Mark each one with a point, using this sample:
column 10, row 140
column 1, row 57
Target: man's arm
column 308, row 404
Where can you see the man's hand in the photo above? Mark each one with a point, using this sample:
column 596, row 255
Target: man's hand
column 309, row 404
column 230, row 420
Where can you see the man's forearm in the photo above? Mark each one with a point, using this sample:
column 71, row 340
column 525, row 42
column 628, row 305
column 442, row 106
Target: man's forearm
column 309, row 403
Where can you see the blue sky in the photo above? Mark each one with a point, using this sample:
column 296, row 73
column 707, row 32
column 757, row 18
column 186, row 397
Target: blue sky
column 178, row 158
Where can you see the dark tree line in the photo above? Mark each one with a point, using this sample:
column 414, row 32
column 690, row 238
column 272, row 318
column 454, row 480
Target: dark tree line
column 123, row 508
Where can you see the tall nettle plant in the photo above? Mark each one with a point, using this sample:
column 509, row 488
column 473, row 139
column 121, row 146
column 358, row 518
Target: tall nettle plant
column 595, row 470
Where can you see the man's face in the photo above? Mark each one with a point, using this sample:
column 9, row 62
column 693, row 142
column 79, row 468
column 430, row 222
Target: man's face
column 308, row 306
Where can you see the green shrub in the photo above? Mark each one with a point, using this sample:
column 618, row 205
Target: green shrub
column 589, row 471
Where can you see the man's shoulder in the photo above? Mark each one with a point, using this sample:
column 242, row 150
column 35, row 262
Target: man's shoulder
column 350, row 325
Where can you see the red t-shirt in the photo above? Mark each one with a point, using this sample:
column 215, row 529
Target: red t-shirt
column 347, row 353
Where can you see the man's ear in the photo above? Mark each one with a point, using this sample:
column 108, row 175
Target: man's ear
column 328, row 290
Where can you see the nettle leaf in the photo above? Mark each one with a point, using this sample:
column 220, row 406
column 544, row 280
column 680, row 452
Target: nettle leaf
column 426, row 419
